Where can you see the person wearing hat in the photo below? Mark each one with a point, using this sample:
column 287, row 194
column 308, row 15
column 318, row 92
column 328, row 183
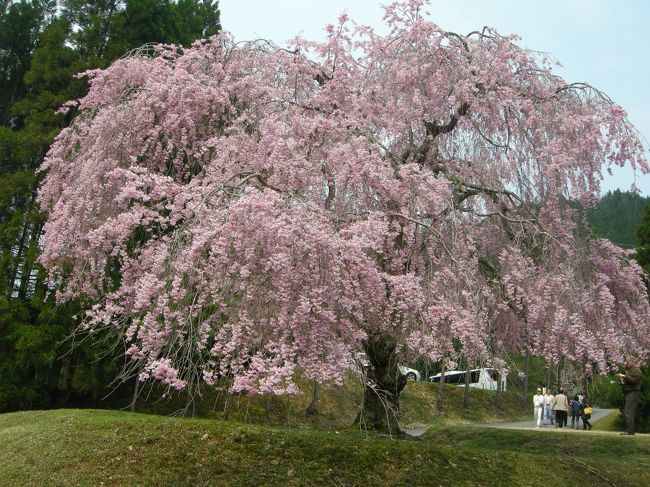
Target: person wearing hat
column 538, row 404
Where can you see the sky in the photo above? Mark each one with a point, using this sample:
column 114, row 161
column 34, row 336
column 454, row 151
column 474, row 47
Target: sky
column 602, row 42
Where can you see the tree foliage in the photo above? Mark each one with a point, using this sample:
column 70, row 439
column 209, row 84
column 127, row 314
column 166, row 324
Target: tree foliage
column 238, row 210
column 616, row 216
column 43, row 44
column 643, row 236
column 20, row 26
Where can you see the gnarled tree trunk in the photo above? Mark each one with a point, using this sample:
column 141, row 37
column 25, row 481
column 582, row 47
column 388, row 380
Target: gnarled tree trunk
column 313, row 405
column 384, row 383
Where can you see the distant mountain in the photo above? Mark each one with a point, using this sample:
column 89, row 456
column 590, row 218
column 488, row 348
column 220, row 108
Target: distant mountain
column 617, row 215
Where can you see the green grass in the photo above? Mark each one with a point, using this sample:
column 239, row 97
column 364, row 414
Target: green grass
column 611, row 422
column 418, row 404
column 94, row 448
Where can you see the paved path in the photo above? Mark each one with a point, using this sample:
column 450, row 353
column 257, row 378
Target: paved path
column 529, row 424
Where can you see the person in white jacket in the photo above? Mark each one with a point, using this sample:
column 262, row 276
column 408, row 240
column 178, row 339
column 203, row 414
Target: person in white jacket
column 538, row 403
column 549, row 418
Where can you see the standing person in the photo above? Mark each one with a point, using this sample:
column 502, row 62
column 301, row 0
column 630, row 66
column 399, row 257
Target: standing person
column 586, row 413
column 548, row 407
column 576, row 412
column 538, row 407
column 561, row 407
column 630, row 383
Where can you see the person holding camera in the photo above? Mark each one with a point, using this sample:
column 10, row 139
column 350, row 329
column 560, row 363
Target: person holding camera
column 630, row 383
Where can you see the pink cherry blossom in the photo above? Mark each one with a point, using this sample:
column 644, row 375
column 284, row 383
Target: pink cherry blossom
column 242, row 211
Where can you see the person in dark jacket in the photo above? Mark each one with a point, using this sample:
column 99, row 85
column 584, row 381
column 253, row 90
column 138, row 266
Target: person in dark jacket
column 576, row 412
column 586, row 425
column 630, row 383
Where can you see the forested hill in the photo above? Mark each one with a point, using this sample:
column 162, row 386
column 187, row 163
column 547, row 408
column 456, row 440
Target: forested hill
column 617, row 216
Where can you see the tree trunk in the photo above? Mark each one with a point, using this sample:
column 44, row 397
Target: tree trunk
column 559, row 374
column 313, row 405
column 107, row 26
column 95, row 377
column 441, row 388
column 468, row 379
column 384, row 383
column 28, row 265
column 66, row 380
column 498, row 398
column 269, row 406
column 228, row 406
column 136, row 392
column 548, row 376
column 524, row 398
column 20, row 251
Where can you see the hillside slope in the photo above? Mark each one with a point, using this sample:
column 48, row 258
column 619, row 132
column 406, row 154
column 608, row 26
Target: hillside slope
column 338, row 406
column 94, row 448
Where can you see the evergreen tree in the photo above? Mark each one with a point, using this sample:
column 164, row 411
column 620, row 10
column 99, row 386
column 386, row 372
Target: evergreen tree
column 20, row 26
column 643, row 236
column 42, row 46
column 616, row 216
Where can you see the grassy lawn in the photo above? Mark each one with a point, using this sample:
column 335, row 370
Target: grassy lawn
column 611, row 422
column 418, row 404
column 94, row 448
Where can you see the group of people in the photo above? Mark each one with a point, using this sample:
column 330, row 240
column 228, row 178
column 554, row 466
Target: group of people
column 555, row 409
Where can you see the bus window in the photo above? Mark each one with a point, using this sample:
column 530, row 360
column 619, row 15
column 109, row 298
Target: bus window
column 492, row 374
column 455, row 378
column 475, row 376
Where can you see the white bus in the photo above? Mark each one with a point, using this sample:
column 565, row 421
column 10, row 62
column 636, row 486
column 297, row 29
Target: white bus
column 479, row 378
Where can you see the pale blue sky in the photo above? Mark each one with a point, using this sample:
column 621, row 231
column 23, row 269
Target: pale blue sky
column 603, row 42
